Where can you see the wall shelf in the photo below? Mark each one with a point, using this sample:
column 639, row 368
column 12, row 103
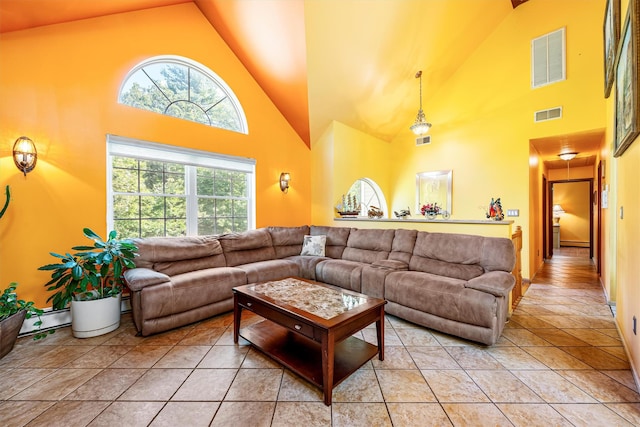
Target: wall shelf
column 428, row 221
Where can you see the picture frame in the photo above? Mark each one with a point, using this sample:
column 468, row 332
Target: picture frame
column 627, row 126
column 434, row 187
column 611, row 35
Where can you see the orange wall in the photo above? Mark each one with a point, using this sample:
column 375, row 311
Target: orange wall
column 60, row 85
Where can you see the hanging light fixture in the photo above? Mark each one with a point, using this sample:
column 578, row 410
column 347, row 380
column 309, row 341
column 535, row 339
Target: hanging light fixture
column 421, row 126
column 568, row 157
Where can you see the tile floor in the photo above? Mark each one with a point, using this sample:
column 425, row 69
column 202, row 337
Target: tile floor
column 560, row 362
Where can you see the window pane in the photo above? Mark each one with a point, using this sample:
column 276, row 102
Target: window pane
column 239, row 184
column 152, row 227
column 125, row 180
column 176, row 227
column 223, row 208
column 174, row 183
column 127, row 227
column 206, row 207
column 205, row 181
column 176, row 207
column 189, row 111
column 126, row 207
column 206, row 226
column 223, row 115
column 224, row 225
column 152, row 207
column 222, row 183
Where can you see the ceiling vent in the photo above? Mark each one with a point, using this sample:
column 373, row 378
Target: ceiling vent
column 550, row 114
column 423, row 140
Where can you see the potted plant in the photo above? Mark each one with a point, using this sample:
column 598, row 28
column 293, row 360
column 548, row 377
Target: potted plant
column 91, row 282
column 13, row 311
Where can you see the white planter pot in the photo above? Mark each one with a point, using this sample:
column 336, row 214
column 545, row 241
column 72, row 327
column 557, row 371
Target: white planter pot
column 95, row 317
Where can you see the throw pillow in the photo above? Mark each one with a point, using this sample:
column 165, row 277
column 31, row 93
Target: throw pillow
column 313, row 245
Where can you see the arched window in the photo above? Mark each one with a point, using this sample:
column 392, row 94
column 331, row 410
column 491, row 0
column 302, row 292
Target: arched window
column 179, row 87
column 368, row 194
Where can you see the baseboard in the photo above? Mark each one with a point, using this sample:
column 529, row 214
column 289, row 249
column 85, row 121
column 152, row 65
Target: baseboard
column 54, row 319
column 632, row 364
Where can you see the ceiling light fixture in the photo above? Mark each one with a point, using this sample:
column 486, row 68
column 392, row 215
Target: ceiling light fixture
column 567, row 156
column 420, row 126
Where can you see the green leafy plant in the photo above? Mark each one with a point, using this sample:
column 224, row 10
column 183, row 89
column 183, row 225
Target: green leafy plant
column 91, row 273
column 6, row 201
column 10, row 305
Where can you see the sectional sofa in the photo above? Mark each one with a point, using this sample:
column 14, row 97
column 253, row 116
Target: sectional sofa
column 454, row 283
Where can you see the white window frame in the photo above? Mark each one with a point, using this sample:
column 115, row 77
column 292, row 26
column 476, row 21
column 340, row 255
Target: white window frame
column 543, row 41
column 128, row 147
column 206, row 71
column 378, row 192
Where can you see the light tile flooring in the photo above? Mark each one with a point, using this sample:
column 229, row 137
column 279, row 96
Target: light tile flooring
column 560, row 362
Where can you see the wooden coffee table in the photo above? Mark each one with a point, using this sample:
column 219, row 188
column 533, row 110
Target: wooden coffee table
column 308, row 327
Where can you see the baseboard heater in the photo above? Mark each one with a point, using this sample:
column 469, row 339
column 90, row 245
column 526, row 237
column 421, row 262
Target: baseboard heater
column 55, row 319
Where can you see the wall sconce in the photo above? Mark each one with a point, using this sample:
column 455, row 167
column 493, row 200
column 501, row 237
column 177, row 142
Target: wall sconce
column 557, row 213
column 25, row 154
column 285, row 177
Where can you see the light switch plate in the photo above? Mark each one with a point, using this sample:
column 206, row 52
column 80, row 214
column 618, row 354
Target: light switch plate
column 513, row 212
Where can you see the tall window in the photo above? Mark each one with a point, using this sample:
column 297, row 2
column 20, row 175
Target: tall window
column 548, row 59
column 368, row 194
column 179, row 87
column 159, row 190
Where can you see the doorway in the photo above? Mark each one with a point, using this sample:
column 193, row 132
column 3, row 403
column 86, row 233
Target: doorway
column 569, row 204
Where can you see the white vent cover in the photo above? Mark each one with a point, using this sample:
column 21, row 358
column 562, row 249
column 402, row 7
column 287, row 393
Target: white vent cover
column 548, row 59
column 550, row 114
column 423, row 140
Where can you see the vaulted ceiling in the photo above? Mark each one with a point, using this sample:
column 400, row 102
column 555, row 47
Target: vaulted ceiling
column 353, row 61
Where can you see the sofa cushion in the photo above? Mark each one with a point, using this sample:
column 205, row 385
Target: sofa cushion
column 287, row 241
column 152, row 250
column 338, row 272
column 191, row 290
column 447, row 269
column 247, row 247
column 441, row 296
column 402, row 246
column 273, row 269
column 368, row 246
column 336, row 239
column 307, row 265
column 498, row 253
column 314, row 245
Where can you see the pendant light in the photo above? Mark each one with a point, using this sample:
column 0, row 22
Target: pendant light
column 420, row 126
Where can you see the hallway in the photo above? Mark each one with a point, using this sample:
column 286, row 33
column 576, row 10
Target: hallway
column 559, row 362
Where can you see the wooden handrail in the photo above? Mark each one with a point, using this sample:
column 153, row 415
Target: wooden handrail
column 516, row 294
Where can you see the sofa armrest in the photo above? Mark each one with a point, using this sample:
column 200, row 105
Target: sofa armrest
column 391, row 264
column 498, row 283
column 138, row 278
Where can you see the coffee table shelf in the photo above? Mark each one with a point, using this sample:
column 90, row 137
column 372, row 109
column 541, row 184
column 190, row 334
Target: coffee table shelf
column 308, row 327
column 304, row 356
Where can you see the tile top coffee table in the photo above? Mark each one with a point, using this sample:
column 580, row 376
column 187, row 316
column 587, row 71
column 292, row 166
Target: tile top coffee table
column 308, row 327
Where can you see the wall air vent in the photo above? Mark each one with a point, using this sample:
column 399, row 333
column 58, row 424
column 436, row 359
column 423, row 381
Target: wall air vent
column 550, row 114
column 423, row 140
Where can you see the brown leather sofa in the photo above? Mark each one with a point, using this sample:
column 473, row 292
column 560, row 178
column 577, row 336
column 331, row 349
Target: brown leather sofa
column 454, row 283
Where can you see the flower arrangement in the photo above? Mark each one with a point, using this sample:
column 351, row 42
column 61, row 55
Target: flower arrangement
column 430, row 208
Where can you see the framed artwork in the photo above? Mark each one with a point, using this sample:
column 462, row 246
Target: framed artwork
column 434, row 187
column 627, row 126
column 611, row 32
